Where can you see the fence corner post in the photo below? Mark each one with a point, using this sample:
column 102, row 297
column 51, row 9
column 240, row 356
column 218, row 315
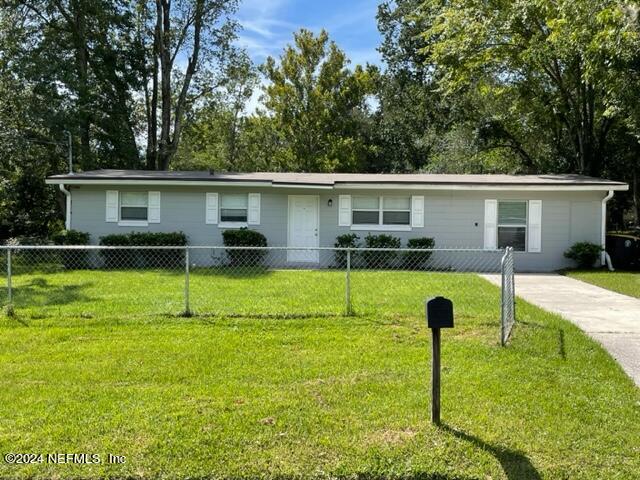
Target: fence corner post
column 348, row 283
column 187, row 310
column 502, row 297
column 9, row 285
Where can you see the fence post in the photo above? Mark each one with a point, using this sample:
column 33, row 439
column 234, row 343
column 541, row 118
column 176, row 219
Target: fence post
column 187, row 310
column 513, row 288
column 502, row 297
column 9, row 286
column 348, row 282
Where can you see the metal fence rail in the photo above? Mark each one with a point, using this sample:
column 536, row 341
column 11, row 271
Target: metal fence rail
column 90, row 281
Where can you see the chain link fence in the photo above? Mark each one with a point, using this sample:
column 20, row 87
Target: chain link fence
column 508, row 296
column 280, row 282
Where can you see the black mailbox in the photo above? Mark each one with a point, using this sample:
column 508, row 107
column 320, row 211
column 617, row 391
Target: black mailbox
column 439, row 313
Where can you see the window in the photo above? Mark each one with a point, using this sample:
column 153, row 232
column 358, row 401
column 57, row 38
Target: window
column 396, row 210
column 233, row 208
column 366, row 211
column 381, row 211
column 134, row 206
column 512, row 225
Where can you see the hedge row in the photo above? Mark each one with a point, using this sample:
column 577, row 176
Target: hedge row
column 383, row 259
column 133, row 258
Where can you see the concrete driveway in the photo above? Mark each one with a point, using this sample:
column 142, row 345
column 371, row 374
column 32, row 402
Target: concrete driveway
column 611, row 318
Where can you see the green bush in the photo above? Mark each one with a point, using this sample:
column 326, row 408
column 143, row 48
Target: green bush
column 117, row 258
column 152, row 258
column 71, row 237
column 244, row 238
column 73, row 259
column 348, row 240
column 375, row 259
column 584, row 254
column 418, row 259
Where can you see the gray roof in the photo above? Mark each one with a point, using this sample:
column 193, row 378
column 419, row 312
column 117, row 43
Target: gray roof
column 332, row 179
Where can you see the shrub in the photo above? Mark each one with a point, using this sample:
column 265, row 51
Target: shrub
column 375, row 259
column 160, row 258
column 117, row 258
column 418, row 259
column 73, row 259
column 144, row 258
column 348, row 240
column 244, row 238
column 71, row 237
column 584, row 254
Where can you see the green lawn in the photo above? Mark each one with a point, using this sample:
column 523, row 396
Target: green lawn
column 96, row 365
column 627, row 283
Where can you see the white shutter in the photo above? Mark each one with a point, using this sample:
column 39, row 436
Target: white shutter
column 112, row 206
column 417, row 211
column 211, row 207
column 490, row 224
column 253, row 214
column 153, row 213
column 344, row 211
column 534, row 227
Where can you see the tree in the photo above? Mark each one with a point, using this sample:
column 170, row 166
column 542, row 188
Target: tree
column 213, row 136
column 197, row 33
column 316, row 104
column 89, row 74
column 542, row 66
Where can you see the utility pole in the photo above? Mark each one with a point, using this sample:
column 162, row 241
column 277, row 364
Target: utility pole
column 69, row 150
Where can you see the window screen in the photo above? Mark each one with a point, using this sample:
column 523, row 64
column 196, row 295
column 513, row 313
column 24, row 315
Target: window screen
column 233, row 208
column 133, row 206
column 366, row 211
column 512, row 225
column 396, row 211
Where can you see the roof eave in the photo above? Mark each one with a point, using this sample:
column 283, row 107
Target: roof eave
column 65, row 180
column 484, row 186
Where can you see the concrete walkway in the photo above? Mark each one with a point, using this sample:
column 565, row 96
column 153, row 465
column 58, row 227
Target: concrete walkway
column 611, row 318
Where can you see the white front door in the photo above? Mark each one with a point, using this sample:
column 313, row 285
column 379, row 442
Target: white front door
column 303, row 227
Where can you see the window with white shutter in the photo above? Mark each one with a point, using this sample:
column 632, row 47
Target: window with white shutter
column 535, row 226
column 344, row 211
column 417, row 211
column 211, row 208
column 253, row 217
column 490, row 223
column 153, row 212
column 111, row 206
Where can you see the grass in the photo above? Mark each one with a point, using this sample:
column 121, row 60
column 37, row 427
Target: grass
column 627, row 283
column 91, row 362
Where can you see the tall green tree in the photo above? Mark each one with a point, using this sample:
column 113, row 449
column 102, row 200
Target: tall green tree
column 79, row 53
column 316, row 104
column 214, row 131
column 542, row 66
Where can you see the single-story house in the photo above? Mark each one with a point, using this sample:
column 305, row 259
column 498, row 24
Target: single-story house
column 540, row 216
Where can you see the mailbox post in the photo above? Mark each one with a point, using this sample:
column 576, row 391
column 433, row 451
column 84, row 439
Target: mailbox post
column 439, row 313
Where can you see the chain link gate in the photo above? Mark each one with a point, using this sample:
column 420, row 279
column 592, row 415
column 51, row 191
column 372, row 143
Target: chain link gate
column 508, row 303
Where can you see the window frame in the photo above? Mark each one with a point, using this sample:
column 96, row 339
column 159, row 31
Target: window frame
column 227, row 224
column 381, row 226
column 514, row 225
column 124, row 222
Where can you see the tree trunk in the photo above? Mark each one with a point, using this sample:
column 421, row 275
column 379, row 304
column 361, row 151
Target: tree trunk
column 164, row 44
column 152, row 99
column 82, row 66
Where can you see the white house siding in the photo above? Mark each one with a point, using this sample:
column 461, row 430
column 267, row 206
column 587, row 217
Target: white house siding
column 454, row 218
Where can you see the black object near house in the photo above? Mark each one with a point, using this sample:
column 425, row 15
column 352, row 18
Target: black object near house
column 624, row 250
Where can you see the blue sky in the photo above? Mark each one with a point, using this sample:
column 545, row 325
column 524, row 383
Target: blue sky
column 268, row 26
